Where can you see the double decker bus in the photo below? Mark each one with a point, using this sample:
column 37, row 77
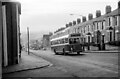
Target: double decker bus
column 66, row 44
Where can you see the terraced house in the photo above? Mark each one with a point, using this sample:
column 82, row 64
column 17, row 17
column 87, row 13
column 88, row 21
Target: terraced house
column 98, row 31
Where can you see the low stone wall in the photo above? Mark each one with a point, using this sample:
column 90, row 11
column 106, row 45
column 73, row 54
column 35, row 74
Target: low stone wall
column 108, row 47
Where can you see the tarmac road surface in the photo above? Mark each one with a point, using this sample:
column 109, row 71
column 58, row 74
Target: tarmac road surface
column 72, row 65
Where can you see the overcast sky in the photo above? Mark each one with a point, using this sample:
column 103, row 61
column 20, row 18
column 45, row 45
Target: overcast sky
column 49, row 15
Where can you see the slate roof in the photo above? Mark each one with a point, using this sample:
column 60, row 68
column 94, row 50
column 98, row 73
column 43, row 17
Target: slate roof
column 101, row 18
column 115, row 12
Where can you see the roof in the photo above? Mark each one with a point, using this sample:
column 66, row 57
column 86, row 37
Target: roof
column 115, row 12
column 101, row 18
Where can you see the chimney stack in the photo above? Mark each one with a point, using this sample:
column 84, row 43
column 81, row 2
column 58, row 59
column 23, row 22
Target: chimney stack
column 108, row 9
column 70, row 23
column 83, row 19
column 98, row 13
column 74, row 22
column 119, row 4
column 78, row 20
column 90, row 16
column 67, row 25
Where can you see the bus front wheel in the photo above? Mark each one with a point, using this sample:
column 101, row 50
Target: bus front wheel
column 78, row 53
column 55, row 52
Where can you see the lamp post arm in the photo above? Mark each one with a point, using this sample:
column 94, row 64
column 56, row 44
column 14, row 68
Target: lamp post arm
column 75, row 14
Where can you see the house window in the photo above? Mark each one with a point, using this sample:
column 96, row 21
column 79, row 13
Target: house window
column 84, row 29
column 84, row 40
column 92, row 39
column 97, row 26
column 93, row 28
column 102, row 26
column 116, row 20
column 110, row 36
column 78, row 30
column 109, row 21
column 88, row 28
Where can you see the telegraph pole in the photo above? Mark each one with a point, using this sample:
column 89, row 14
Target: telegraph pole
column 28, row 39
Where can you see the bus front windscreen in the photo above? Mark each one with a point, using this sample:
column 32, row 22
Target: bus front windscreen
column 74, row 40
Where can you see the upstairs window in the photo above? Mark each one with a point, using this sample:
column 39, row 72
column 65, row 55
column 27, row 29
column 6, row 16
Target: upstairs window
column 88, row 28
column 78, row 30
column 82, row 30
column 97, row 26
column 109, row 21
column 91, row 27
column 116, row 21
column 66, row 40
column 102, row 26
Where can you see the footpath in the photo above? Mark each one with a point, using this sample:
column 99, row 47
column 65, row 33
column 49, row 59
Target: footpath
column 27, row 62
column 102, row 51
column 109, row 49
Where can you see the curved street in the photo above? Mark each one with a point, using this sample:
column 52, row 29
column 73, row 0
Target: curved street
column 72, row 65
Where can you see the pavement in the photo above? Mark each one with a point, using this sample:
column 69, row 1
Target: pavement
column 27, row 62
column 102, row 51
column 109, row 49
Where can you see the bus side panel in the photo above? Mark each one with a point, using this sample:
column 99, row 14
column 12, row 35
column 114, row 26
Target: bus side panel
column 58, row 49
column 67, row 48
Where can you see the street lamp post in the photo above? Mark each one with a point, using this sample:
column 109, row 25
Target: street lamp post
column 88, row 42
column 28, row 39
column 76, row 14
column 103, row 43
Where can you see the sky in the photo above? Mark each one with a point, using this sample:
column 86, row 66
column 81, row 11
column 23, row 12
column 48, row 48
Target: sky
column 49, row 15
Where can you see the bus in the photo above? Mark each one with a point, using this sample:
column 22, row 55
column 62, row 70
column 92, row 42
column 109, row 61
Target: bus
column 66, row 44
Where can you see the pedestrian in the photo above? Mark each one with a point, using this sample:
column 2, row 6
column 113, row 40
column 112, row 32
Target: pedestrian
column 20, row 50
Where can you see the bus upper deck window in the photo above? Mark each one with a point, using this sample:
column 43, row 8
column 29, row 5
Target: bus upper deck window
column 66, row 40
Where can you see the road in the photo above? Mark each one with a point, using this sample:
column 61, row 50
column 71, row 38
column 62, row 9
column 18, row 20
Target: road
column 72, row 65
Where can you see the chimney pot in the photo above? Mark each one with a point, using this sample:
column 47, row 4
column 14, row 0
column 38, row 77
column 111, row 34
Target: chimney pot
column 108, row 9
column 98, row 13
column 119, row 4
column 83, row 18
column 70, row 23
column 90, row 16
column 78, row 20
column 67, row 25
column 74, row 22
